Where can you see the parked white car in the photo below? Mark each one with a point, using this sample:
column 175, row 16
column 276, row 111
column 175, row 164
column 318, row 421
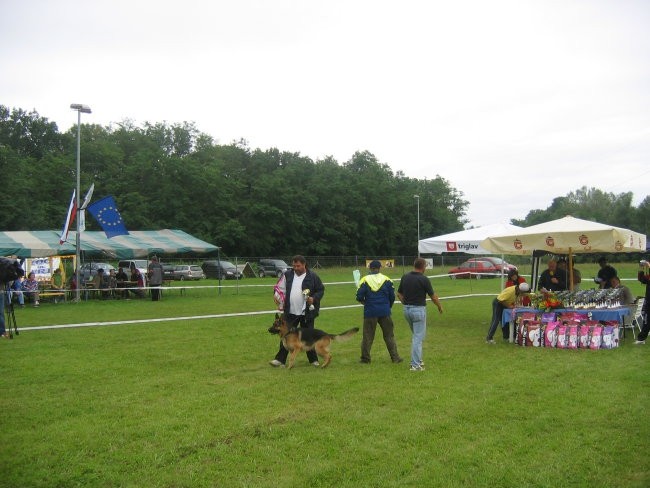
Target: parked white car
column 140, row 264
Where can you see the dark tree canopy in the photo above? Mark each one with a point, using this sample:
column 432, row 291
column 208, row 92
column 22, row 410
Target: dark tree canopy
column 249, row 202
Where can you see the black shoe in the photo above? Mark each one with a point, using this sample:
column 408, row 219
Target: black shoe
column 397, row 360
column 364, row 361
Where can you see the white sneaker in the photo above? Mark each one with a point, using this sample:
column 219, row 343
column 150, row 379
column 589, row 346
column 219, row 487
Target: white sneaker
column 276, row 364
column 316, row 364
column 639, row 342
column 490, row 341
column 416, row 368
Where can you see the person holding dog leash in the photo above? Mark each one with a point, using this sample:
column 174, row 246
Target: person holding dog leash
column 298, row 295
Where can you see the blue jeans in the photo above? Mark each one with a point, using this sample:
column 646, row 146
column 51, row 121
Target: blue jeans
column 416, row 317
column 497, row 313
column 19, row 294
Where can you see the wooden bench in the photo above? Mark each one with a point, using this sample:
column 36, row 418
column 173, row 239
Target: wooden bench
column 51, row 294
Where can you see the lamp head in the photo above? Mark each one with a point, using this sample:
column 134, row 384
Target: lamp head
column 80, row 107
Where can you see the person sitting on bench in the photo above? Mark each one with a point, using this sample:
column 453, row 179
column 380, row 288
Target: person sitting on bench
column 137, row 282
column 56, row 284
column 30, row 288
column 100, row 284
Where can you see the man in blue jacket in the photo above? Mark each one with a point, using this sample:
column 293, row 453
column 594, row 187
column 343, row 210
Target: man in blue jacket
column 377, row 293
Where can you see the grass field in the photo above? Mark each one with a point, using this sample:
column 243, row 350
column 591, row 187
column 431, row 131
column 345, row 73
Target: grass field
column 194, row 403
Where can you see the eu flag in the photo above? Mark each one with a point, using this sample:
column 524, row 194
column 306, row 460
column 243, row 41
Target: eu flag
column 106, row 213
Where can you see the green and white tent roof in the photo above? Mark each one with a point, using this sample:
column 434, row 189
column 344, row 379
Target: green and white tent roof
column 138, row 244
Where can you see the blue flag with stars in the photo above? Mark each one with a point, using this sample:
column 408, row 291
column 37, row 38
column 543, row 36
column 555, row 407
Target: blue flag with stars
column 106, row 213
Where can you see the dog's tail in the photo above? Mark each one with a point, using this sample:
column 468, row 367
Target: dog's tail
column 344, row 336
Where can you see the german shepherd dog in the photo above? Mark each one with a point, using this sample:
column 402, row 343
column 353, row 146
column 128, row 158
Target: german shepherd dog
column 296, row 339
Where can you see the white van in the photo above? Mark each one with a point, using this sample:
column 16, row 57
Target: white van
column 141, row 264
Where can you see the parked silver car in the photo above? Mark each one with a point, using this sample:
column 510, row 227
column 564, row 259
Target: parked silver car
column 88, row 270
column 187, row 272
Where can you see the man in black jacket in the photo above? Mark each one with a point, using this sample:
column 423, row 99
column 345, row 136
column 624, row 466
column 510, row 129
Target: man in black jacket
column 605, row 273
column 552, row 278
column 644, row 277
column 302, row 290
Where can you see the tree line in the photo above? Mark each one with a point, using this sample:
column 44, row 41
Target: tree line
column 247, row 201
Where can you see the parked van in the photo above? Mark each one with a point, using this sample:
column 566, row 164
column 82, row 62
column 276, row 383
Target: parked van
column 187, row 272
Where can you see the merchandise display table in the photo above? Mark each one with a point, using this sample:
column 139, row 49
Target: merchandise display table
column 619, row 313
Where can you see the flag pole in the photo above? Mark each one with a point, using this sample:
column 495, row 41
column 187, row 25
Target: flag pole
column 85, row 109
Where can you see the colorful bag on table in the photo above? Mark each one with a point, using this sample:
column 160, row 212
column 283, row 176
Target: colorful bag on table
column 572, row 317
column 616, row 331
column 610, row 337
column 527, row 317
column 522, row 332
column 583, row 337
column 550, row 334
column 562, row 336
column 573, row 337
column 523, row 320
column 596, row 337
column 534, row 334
column 548, row 317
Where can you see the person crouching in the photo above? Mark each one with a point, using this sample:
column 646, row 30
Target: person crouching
column 505, row 299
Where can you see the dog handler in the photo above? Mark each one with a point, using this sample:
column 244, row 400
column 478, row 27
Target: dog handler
column 412, row 292
column 302, row 291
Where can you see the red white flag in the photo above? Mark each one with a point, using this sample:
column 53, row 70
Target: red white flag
column 72, row 211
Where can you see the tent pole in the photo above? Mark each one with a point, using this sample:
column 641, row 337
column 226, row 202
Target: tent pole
column 502, row 282
column 570, row 270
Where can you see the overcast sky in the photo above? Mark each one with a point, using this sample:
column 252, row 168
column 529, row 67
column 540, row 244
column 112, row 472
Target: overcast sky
column 513, row 102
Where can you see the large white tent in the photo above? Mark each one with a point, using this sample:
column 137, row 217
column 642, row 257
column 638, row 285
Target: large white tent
column 467, row 241
column 567, row 235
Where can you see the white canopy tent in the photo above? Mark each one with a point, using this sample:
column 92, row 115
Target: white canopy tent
column 567, row 235
column 467, row 241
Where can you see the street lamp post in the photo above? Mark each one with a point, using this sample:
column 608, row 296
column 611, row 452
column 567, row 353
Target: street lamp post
column 417, row 198
column 79, row 107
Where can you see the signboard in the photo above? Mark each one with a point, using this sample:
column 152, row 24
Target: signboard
column 385, row 263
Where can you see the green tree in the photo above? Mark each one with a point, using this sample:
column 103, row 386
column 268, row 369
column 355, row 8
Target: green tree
column 588, row 204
